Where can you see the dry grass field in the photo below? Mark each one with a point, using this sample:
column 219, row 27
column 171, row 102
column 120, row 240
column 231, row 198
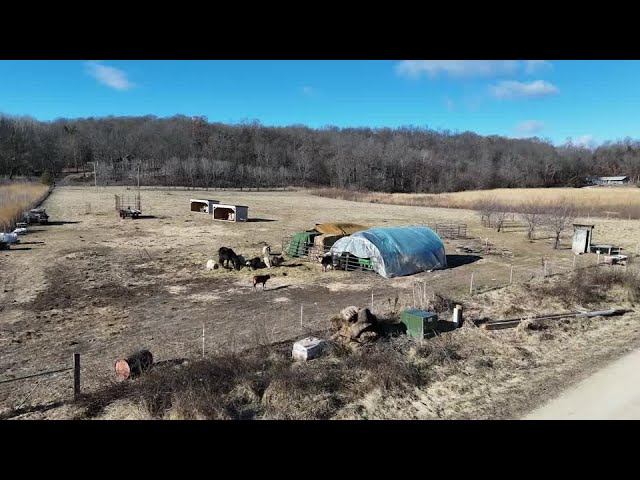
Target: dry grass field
column 16, row 198
column 618, row 202
column 93, row 283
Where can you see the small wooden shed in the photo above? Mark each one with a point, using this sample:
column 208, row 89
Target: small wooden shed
column 202, row 206
column 582, row 236
column 230, row 213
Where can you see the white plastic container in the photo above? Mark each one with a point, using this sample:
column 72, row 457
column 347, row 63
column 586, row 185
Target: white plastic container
column 308, row 348
column 457, row 316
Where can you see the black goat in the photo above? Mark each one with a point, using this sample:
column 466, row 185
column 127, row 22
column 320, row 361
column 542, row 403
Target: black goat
column 228, row 255
column 256, row 263
column 326, row 261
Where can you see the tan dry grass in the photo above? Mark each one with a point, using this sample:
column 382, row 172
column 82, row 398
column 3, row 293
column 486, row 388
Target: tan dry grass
column 621, row 202
column 16, row 198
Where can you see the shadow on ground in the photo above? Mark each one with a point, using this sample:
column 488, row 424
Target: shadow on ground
column 454, row 261
column 59, row 222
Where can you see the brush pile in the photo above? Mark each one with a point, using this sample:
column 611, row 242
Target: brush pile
column 355, row 327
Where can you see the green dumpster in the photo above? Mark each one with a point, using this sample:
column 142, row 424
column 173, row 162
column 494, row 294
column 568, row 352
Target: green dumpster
column 418, row 322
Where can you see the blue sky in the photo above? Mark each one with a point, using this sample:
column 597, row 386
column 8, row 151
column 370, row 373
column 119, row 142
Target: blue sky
column 589, row 101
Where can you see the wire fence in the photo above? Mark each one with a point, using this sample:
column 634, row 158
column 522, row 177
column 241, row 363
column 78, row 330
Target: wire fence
column 284, row 320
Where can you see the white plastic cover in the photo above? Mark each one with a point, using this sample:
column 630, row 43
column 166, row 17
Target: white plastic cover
column 396, row 251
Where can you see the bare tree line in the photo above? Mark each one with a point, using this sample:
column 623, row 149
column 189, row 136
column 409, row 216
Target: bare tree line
column 555, row 217
column 192, row 152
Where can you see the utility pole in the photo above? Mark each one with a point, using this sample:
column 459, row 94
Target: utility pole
column 95, row 174
column 138, row 176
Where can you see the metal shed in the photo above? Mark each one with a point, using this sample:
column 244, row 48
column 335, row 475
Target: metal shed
column 202, row 206
column 582, row 236
column 230, row 213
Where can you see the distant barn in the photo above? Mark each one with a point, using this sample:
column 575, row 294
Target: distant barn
column 621, row 180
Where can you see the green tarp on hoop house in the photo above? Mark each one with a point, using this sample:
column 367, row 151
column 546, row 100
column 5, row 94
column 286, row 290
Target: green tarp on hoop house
column 396, row 251
column 300, row 243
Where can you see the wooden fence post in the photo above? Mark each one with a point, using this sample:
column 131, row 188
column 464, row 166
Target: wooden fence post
column 471, row 285
column 76, row 376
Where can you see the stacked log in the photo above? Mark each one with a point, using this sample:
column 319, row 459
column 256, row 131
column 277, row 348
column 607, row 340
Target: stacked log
column 355, row 327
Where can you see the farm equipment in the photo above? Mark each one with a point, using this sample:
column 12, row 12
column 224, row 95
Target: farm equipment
column 36, row 215
column 128, row 206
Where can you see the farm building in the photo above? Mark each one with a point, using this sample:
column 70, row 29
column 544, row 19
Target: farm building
column 230, row 213
column 395, row 251
column 582, row 236
column 621, row 180
column 320, row 237
column 202, row 206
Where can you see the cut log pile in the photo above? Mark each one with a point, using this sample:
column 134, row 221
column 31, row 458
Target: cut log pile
column 355, row 327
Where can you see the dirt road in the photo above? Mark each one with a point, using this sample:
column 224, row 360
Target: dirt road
column 612, row 393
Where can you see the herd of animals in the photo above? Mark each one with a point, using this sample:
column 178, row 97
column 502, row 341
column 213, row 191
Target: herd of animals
column 227, row 258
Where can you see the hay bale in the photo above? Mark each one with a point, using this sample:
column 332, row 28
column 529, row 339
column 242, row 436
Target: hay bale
column 350, row 314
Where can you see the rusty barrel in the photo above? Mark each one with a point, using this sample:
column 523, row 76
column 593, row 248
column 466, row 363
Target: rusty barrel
column 134, row 365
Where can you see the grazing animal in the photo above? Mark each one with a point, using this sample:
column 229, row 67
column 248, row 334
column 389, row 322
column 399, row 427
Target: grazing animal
column 326, row 261
column 255, row 263
column 260, row 279
column 226, row 255
column 277, row 261
column 266, row 253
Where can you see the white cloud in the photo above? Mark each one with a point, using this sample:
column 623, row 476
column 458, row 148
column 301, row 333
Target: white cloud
column 469, row 68
column 586, row 141
column 529, row 127
column 307, row 90
column 456, row 68
column 109, row 76
column 513, row 89
column 534, row 66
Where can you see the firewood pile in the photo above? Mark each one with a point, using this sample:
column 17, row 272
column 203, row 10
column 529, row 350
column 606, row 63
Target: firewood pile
column 355, row 327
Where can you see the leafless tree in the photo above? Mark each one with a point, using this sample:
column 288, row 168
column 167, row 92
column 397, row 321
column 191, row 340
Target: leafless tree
column 559, row 216
column 487, row 209
column 531, row 212
column 405, row 159
column 501, row 211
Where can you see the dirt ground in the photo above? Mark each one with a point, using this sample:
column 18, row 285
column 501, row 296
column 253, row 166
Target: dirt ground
column 102, row 286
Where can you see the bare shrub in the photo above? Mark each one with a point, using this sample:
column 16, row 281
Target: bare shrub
column 591, row 286
column 559, row 216
column 439, row 350
column 532, row 213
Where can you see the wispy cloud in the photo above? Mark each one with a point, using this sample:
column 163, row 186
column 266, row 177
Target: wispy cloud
column 535, row 66
column 456, row 68
column 109, row 76
column 529, row 127
column 308, row 90
column 469, row 68
column 513, row 89
column 586, row 141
